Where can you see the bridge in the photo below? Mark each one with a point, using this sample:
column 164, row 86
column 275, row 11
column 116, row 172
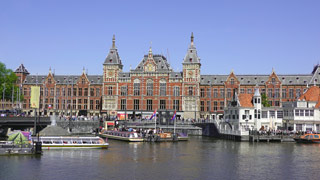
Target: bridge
column 21, row 123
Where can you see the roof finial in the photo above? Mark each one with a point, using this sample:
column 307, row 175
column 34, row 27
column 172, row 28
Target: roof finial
column 273, row 70
column 114, row 42
column 83, row 70
column 192, row 38
column 50, row 70
column 150, row 50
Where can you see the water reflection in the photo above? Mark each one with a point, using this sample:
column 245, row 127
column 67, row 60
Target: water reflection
column 199, row 158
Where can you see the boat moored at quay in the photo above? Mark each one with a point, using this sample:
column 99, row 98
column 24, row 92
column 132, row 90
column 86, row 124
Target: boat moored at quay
column 123, row 136
column 308, row 138
column 54, row 142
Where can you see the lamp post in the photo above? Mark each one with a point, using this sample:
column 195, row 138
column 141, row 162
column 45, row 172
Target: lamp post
column 3, row 91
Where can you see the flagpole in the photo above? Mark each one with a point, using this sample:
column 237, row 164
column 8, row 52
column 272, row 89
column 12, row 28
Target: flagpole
column 155, row 122
column 174, row 126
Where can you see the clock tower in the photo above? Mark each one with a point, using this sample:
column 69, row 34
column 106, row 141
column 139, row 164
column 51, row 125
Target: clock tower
column 112, row 66
column 191, row 82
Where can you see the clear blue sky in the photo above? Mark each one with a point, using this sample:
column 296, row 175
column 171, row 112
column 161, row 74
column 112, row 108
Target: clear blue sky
column 248, row 36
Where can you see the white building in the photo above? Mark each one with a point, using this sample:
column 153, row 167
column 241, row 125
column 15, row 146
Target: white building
column 303, row 114
column 246, row 112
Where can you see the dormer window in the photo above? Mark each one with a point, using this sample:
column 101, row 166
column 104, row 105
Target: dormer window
column 305, row 82
column 190, row 51
column 190, row 59
column 232, row 81
column 273, row 80
column 262, row 81
column 49, row 81
column 297, row 78
column 248, row 81
column 110, row 60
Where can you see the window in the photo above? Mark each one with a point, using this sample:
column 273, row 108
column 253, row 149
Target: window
column 124, row 91
column 176, row 91
column 136, row 104
column 270, row 103
column 201, row 105
column 241, row 91
column 291, row 93
column 149, row 104
column 123, row 105
column 45, row 91
column 85, row 103
column 163, row 87
column 259, row 114
column 57, row 104
column 83, row 81
column 97, row 104
column 208, row 92
column 222, row 93
column 58, row 92
column 74, row 91
column 272, row 114
column 228, row 93
column 208, row 106
column 264, row 114
column 249, row 91
column 150, row 88
column 80, row 92
column 69, row 91
column 279, row 114
column 91, row 104
column 298, row 93
column 273, row 80
column 85, row 91
column 221, row 105
column 215, row 106
column 201, row 92
column 270, row 93
column 215, row 93
column 284, row 93
column 162, row 104
column 277, row 93
column 176, row 104
column 51, row 91
column 110, row 90
column 307, row 112
column 98, row 92
column 49, row 81
column 296, row 112
column 190, row 91
column 74, row 104
column 136, row 88
column 232, row 81
column 91, row 92
column 277, row 103
column 25, row 92
column 311, row 112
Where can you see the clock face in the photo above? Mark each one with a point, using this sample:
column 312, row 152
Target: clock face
column 190, row 73
column 110, row 73
column 150, row 67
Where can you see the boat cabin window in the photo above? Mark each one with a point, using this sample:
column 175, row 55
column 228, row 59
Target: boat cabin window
column 316, row 136
column 311, row 136
column 57, row 142
column 307, row 136
column 47, row 142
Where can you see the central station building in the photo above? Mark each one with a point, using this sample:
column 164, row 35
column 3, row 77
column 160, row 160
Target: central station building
column 154, row 85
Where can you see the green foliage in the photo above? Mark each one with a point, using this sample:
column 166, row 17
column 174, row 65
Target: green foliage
column 8, row 81
column 264, row 100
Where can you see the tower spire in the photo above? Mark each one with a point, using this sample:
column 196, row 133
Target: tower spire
column 113, row 42
column 192, row 38
column 150, row 51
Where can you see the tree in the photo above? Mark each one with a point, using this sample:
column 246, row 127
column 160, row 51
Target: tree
column 8, row 81
column 264, row 100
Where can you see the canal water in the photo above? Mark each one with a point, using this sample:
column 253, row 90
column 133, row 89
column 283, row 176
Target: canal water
column 199, row 158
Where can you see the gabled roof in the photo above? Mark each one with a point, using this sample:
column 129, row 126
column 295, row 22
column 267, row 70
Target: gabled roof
column 312, row 94
column 162, row 64
column 245, row 100
column 21, row 69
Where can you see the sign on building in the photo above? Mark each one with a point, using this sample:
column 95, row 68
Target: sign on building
column 35, row 96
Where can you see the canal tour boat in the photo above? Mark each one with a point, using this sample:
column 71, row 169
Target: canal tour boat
column 123, row 136
column 308, row 138
column 166, row 137
column 62, row 142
